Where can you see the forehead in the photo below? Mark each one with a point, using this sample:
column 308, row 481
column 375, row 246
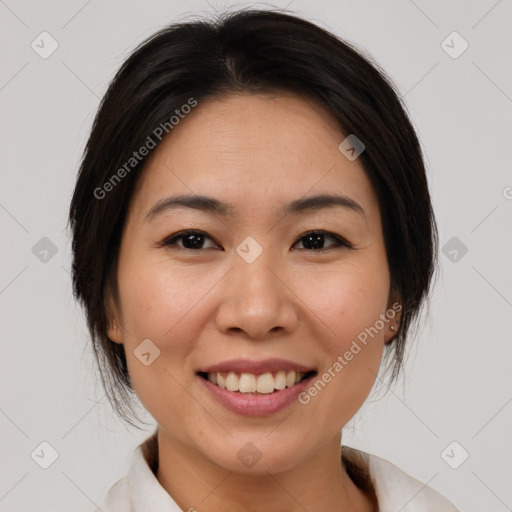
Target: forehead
column 254, row 150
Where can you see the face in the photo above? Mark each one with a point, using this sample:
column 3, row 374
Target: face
column 252, row 291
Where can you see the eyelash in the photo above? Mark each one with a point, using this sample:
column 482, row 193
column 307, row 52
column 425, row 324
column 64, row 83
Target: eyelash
column 340, row 242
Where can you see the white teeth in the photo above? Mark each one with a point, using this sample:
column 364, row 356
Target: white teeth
column 280, row 380
column 249, row 383
column 265, row 383
column 232, row 382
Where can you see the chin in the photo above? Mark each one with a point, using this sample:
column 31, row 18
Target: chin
column 256, row 454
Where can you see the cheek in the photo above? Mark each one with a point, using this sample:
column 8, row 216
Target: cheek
column 158, row 298
column 346, row 301
column 349, row 304
column 164, row 305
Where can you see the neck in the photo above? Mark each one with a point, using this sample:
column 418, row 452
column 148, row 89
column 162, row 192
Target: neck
column 320, row 483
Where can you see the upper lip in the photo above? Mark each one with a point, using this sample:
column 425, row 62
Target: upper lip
column 256, row 367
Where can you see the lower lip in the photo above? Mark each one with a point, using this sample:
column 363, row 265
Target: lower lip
column 256, row 405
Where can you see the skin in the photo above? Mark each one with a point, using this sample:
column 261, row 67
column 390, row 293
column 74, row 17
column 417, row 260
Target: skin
column 208, row 305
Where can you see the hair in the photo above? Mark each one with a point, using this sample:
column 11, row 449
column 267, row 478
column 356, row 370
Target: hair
column 245, row 52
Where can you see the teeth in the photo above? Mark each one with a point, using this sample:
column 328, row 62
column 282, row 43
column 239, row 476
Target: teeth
column 280, row 380
column 265, row 383
column 249, row 383
column 232, row 382
column 290, row 379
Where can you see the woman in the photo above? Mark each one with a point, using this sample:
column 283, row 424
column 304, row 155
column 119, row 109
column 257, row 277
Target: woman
column 252, row 237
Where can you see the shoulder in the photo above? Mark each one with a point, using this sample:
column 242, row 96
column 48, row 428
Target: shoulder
column 118, row 498
column 140, row 490
column 394, row 489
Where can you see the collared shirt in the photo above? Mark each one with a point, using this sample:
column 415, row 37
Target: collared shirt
column 140, row 491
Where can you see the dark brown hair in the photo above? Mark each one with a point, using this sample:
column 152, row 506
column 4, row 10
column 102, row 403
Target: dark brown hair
column 249, row 51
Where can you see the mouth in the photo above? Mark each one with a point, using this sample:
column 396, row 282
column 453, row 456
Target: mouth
column 261, row 383
column 255, row 388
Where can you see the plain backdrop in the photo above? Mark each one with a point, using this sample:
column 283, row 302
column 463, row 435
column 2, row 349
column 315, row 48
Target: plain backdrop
column 457, row 384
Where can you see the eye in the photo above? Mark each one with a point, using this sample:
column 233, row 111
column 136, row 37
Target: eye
column 192, row 239
column 313, row 240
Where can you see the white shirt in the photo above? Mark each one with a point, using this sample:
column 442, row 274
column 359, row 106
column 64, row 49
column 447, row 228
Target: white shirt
column 140, row 491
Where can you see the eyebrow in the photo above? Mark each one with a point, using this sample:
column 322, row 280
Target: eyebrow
column 214, row 206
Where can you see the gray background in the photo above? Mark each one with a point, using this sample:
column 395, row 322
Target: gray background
column 457, row 382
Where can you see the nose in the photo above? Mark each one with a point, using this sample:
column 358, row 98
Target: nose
column 257, row 298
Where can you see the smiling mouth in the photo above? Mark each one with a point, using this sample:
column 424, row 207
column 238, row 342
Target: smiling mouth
column 262, row 384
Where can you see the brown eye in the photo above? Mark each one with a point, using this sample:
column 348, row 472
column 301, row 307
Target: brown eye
column 191, row 239
column 315, row 240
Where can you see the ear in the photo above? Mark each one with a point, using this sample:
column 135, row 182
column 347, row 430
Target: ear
column 114, row 330
column 394, row 315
